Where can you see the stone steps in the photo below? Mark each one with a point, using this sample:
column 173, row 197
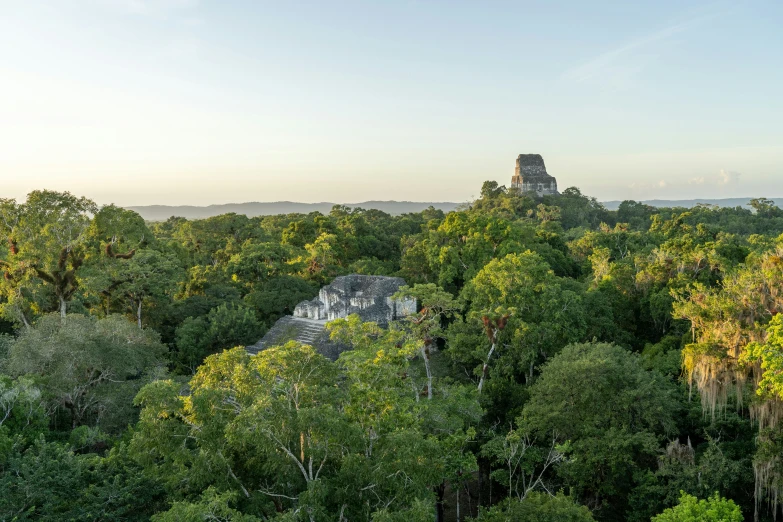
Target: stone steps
column 309, row 333
column 290, row 328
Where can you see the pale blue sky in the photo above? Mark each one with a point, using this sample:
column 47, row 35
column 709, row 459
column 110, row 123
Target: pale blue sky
column 199, row 101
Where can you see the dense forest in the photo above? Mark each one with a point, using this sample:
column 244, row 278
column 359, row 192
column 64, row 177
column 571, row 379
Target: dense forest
column 568, row 363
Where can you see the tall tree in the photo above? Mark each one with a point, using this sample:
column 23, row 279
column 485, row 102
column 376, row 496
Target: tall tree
column 147, row 276
column 613, row 412
column 46, row 237
column 435, row 307
column 91, row 368
column 526, row 311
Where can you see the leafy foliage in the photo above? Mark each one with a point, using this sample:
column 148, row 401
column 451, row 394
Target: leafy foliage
column 553, row 349
column 691, row 509
column 538, row 507
column 88, row 368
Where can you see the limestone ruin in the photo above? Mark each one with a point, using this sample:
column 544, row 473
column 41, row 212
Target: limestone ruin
column 370, row 297
column 531, row 177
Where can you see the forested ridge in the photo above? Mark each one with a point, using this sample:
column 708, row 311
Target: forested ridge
column 567, row 363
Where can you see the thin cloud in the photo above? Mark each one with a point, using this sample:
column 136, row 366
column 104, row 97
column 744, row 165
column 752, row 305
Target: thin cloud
column 616, row 63
column 728, row 177
column 724, row 179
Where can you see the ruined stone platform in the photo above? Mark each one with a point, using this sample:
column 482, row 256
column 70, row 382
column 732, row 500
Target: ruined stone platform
column 305, row 331
column 370, row 297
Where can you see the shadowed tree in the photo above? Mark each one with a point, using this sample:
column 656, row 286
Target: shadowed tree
column 89, row 367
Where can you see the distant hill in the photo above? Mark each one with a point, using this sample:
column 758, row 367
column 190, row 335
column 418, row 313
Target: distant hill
column 688, row 203
column 163, row 212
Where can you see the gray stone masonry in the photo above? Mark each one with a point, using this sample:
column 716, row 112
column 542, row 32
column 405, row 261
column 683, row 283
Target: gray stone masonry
column 531, row 177
column 367, row 296
column 306, row 331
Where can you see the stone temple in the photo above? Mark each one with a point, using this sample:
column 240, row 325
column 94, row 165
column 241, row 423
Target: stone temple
column 531, row 177
column 370, row 297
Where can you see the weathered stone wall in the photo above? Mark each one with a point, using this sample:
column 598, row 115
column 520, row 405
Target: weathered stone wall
column 370, row 297
column 531, row 177
column 401, row 308
column 530, row 165
column 367, row 296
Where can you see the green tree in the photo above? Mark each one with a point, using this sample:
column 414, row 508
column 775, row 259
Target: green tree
column 90, row 368
column 419, row 511
column 636, row 214
column 112, row 240
column 50, row 481
column 613, row 412
column 149, row 275
column 270, row 422
column 22, row 407
column 723, row 465
column 117, row 488
column 257, row 263
column 579, row 210
column 538, row 507
column 46, row 236
column 491, row 189
column 527, row 312
column 213, row 240
column 212, row 505
column 435, row 307
column 224, row 327
column 691, row 509
column 522, row 465
column 769, row 357
column 766, row 208
column 279, row 296
column 735, row 338
column 41, row 483
column 395, row 430
column 323, row 257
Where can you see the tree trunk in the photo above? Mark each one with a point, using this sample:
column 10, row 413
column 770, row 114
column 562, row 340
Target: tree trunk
column 486, row 364
column 480, row 486
column 138, row 314
column 439, row 492
column 71, row 407
column 24, row 318
column 459, row 487
column 426, row 355
column 63, row 306
column 484, row 485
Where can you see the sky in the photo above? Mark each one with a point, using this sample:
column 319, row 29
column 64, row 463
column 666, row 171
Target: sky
column 138, row 102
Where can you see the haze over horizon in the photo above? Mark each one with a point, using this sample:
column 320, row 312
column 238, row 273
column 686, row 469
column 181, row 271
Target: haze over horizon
column 195, row 102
